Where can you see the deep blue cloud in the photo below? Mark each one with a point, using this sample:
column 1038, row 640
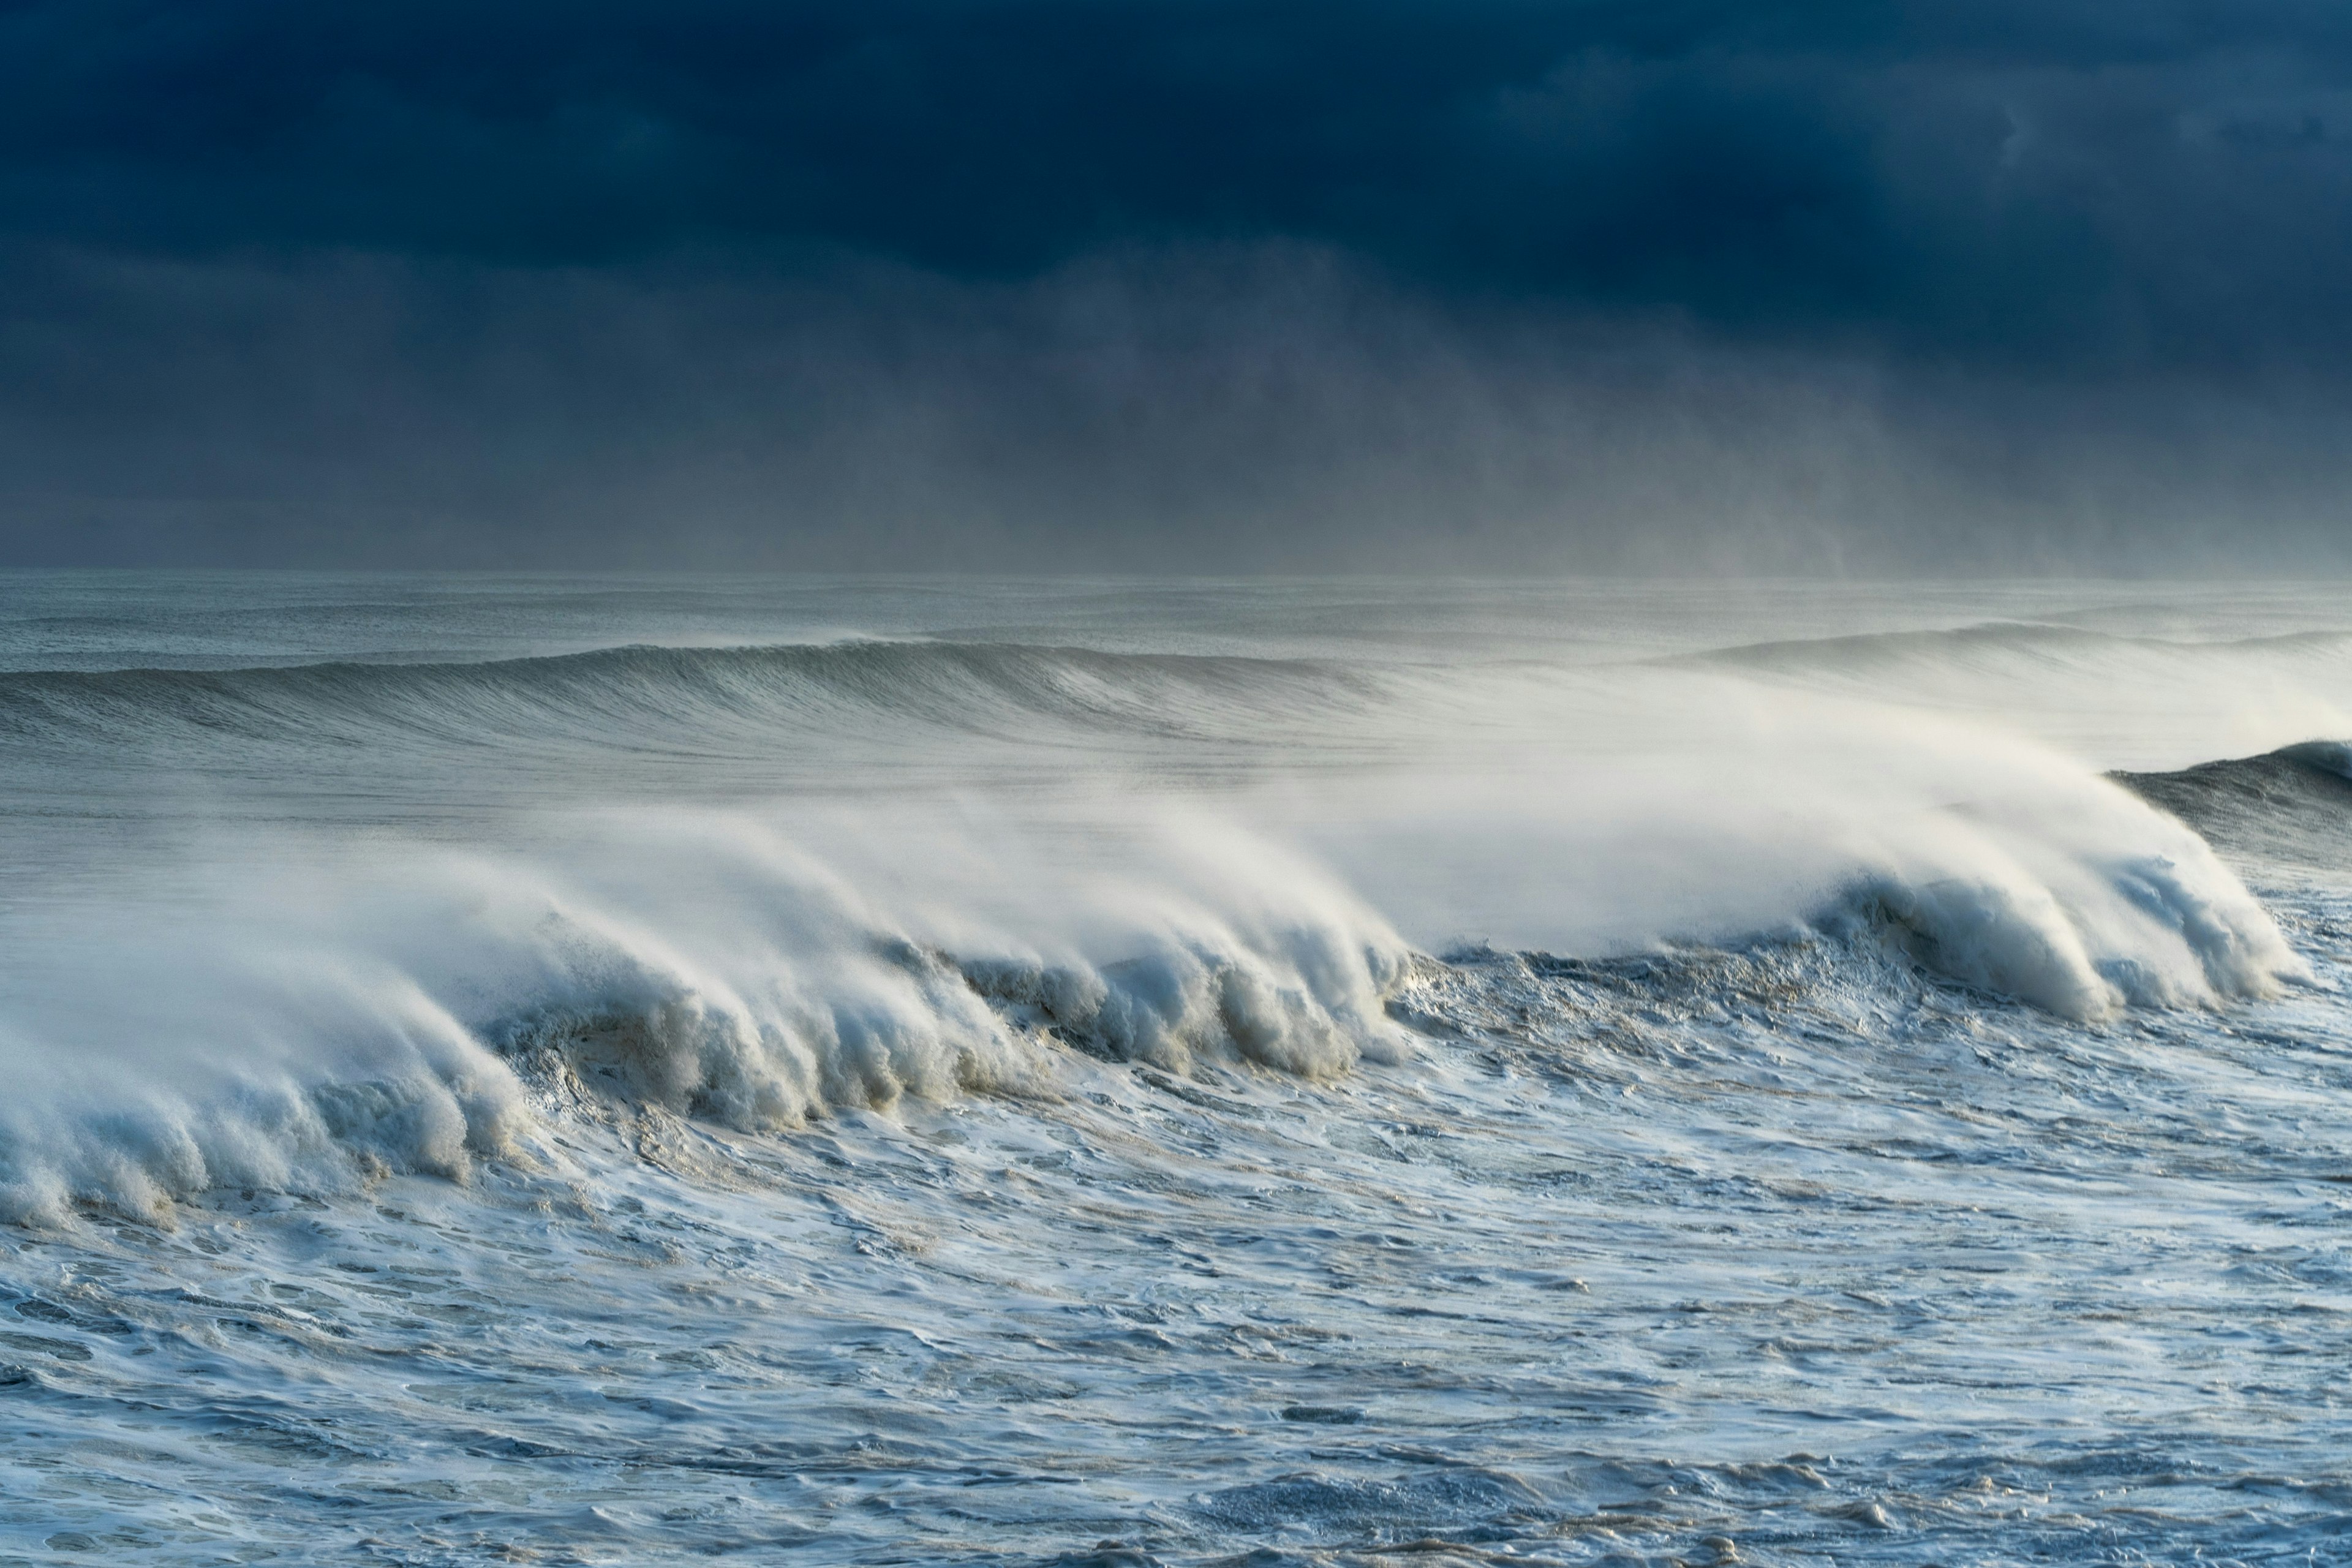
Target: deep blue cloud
column 2165, row 182
column 1172, row 282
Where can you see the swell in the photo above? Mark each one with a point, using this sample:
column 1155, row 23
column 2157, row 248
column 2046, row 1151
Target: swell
column 1960, row 647
column 649, row 694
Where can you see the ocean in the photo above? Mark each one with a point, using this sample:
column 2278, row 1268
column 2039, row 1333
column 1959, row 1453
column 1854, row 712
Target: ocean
column 581, row 1069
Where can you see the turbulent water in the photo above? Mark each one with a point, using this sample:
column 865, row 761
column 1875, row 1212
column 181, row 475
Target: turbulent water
column 583, row 1070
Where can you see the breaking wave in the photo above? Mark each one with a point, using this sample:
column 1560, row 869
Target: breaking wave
column 318, row 997
column 418, row 1015
column 424, row 1014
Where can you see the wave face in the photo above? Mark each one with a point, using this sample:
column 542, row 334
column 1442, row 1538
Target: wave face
column 2291, row 807
column 1152, row 1073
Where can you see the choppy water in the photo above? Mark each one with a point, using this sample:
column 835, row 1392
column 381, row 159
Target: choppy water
column 573, row 1070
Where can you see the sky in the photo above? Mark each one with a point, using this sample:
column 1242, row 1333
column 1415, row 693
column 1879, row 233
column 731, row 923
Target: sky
column 1179, row 285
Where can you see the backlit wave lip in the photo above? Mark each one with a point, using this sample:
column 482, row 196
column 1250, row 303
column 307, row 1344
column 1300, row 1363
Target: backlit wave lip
column 477, row 998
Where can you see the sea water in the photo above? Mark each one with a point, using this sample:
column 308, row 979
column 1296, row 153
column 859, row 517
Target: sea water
column 578, row 1069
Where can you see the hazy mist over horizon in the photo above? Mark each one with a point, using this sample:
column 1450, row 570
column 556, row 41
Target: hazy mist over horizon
column 1045, row 285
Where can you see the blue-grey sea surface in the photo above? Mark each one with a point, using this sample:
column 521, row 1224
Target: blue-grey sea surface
column 610, row 1070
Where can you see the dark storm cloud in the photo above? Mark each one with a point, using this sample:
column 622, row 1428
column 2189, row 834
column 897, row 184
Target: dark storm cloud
column 1966, row 175
column 1084, row 276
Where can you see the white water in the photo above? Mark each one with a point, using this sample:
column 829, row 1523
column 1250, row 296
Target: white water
column 948, row 1071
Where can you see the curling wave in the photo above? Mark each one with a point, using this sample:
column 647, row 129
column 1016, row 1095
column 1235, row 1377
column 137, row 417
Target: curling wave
column 419, row 1013
column 424, row 1014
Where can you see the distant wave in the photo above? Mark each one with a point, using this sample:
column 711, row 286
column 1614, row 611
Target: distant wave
column 1959, row 647
column 644, row 693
